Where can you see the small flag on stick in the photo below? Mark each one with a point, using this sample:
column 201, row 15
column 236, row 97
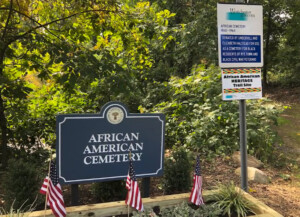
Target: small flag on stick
column 133, row 197
column 52, row 189
column 196, row 194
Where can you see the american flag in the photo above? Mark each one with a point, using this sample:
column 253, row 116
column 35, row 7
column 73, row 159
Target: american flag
column 196, row 194
column 133, row 197
column 54, row 196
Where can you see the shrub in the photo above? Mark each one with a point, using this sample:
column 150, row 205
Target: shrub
column 197, row 117
column 210, row 210
column 21, row 183
column 177, row 172
column 146, row 213
column 109, row 191
column 231, row 201
column 183, row 210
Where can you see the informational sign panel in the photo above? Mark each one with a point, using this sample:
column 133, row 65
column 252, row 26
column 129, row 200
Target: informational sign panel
column 95, row 147
column 240, row 35
column 241, row 84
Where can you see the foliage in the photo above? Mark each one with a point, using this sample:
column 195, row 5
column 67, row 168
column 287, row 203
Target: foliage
column 196, row 41
column 231, row 201
column 261, row 118
column 20, row 212
column 208, row 210
column 289, row 54
column 109, row 191
column 71, row 57
column 60, row 56
column 183, row 210
column 177, row 172
column 196, row 116
column 20, row 183
column 145, row 213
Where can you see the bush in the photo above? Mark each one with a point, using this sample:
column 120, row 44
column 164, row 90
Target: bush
column 231, row 201
column 109, row 191
column 210, row 210
column 196, row 116
column 183, row 210
column 177, row 172
column 21, row 184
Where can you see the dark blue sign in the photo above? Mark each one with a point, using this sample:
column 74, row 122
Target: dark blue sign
column 95, row 147
column 240, row 48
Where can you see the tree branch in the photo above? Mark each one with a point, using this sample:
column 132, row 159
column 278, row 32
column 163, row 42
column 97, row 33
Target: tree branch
column 54, row 21
column 33, row 20
column 7, row 21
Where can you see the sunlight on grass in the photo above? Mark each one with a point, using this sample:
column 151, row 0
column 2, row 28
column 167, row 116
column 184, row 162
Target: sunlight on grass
column 282, row 121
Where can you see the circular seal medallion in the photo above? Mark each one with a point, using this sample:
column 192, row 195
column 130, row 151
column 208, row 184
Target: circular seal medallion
column 115, row 115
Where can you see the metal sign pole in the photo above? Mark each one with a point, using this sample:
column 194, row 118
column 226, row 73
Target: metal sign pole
column 243, row 145
column 243, row 139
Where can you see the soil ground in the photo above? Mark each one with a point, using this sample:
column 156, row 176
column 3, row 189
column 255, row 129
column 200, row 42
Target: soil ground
column 283, row 193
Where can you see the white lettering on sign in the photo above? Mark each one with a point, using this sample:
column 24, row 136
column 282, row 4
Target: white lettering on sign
column 108, row 148
column 113, row 137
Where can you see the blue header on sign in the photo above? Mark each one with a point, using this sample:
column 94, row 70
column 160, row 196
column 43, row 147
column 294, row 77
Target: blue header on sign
column 240, row 48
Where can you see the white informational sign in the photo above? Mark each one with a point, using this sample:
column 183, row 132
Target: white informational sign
column 241, row 84
column 240, row 35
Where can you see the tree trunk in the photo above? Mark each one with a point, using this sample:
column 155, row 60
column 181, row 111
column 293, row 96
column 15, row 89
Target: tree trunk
column 4, row 139
column 3, row 121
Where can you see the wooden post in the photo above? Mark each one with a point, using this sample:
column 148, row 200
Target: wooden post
column 146, row 187
column 74, row 195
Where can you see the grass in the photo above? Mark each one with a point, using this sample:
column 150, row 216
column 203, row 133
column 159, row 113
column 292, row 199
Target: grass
column 283, row 121
column 231, row 201
column 20, row 212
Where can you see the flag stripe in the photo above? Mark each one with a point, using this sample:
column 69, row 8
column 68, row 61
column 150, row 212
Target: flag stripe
column 56, row 199
column 196, row 194
column 54, row 196
column 133, row 197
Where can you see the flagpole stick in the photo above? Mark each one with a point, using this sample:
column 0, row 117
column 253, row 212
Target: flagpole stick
column 48, row 183
column 129, row 159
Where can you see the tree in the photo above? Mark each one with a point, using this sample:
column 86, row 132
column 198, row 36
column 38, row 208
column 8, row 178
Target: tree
column 196, row 42
column 31, row 30
column 274, row 29
column 84, row 54
column 290, row 53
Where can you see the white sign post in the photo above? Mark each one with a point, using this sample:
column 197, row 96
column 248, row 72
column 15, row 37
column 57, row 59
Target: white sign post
column 240, row 34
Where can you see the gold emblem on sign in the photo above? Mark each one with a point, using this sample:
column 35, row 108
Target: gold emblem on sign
column 115, row 115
